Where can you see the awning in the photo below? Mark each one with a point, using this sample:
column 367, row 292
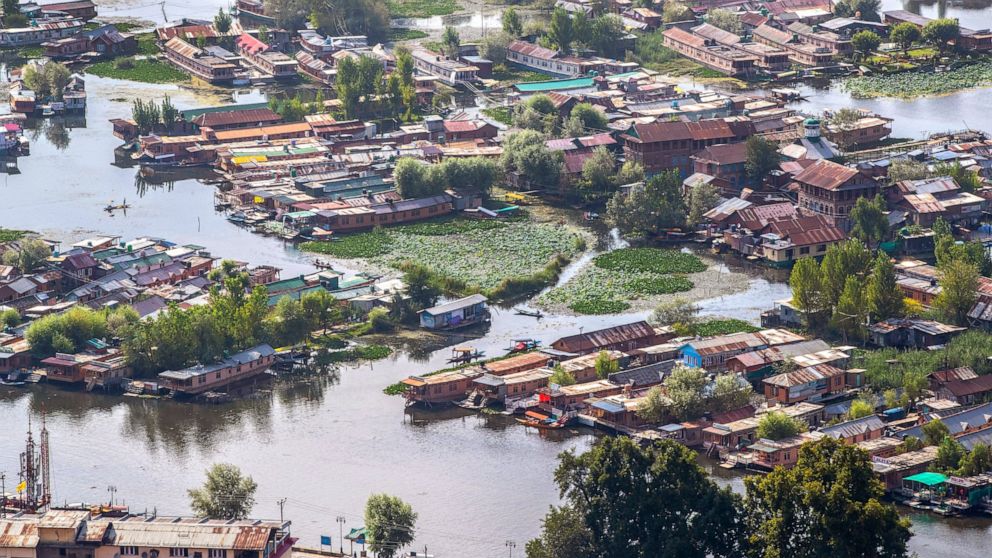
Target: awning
column 928, row 478
column 535, row 415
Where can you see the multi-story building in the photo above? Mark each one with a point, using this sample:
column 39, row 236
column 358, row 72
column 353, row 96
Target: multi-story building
column 726, row 60
column 664, row 145
column 829, row 189
column 449, row 71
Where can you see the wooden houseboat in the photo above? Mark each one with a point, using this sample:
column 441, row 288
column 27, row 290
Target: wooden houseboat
column 202, row 378
column 456, row 314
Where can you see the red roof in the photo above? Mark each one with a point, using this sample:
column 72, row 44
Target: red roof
column 532, row 50
column 251, row 45
column 826, row 174
column 725, row 154
column 462, row 126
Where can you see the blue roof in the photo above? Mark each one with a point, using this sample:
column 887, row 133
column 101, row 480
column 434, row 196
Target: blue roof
column 608, row 406
column 554, row 85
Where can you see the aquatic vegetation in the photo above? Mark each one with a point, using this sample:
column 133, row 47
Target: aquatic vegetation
column 606, row 291
column 721, row 327
column 361, row 352
column 364, row 245
column 921, row 82
column 421, row 8
column 143, row 70
column 651, row 260
column 10, row 235
column 597, row 306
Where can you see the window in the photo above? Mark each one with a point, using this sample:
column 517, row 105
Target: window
column 217, row 553
column 179, row 552
column 129, row 551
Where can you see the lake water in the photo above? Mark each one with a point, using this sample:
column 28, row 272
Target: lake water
column 326, row 443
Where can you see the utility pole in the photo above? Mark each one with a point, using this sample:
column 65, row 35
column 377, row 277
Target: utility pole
column 112, row 490
column 281, row 502
column 340, row 520
column 511, row 545
column 3, row 495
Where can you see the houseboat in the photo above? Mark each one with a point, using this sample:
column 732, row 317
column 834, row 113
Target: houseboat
column 449, row 71
column 456, row 314
column 440, row 389
column 199, row 379
column 189, row 58
column 265, row 59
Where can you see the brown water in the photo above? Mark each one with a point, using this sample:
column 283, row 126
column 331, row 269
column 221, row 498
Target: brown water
column 325, row 443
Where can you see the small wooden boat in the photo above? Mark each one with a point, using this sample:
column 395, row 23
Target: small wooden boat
column 521, row 345
column 321, row 264
column 111, row 207
column 532, row 313
column 465, row 354
column 541, row 421
column 590, row 216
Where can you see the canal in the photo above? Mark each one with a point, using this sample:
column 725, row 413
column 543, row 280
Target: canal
column 324, row 443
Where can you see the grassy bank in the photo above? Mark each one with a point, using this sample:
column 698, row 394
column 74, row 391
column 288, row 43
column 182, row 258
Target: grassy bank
column 10, row 235
column 500, row 114
column 921, row 82
column 145, row 71
column 651, row 53
column 514, row 74
column 616, row 278
column 499, row 258
column 406, row 34
column 421, row 8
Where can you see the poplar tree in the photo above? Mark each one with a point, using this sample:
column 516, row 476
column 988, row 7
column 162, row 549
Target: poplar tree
column 884, row 298
column 851, row 311
column 807, row 287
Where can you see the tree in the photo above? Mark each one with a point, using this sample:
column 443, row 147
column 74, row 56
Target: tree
column 851, row 312
column 263, row 34
column 169, row 112
column 958, row 288
column 907, row 169
column 904, row 35
column 493, row 47
column 865, row 10
column 977, row 461
column 730, row 392
column 560, row 31
column 590, row 118
column 598, row 173
column 829, row 504
column 865, row 42
column 451, row 41
column 847, row 259
column 676, row 312
column 342, row 17
column 66, row 332
column 629, row 173
column 940, row 32
column 27, row 255
column 762, row 157
column 859, row 408
column 581, row 29
column 411, row 178
column 226, row 494
column 807, row 287
column 910, row 443
column 950, row 452
column 649, row 209
column 620, row 500
column 726, row 20
column 9, row 318
column 884, row 297
column 674, row 11
column 512, row 25
column 561, row 376
column 777, row 425
column 968, row 180
column 605, row 30
column 656, row 407
column 685, row 390
column 702, row 198
column 10, row 8
column 606, row 365
column 222, row 21
column 389, row 524
column 934, row 431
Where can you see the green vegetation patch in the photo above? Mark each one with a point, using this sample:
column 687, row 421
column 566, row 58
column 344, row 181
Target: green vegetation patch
column 363, row 245
column 502, row 115
column 922, row 82
column 650, row 260
column 10, row 235
column 421, row 8
column 968, row 349
column 598, row 306
column 722, row 327
column 516, row 74
column 406, row 34
column 147, row 44
column 131, row 69
column 605, row 291
column 361, row 352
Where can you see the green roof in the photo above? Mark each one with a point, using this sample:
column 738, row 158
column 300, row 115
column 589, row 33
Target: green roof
column 193, row 113
column 928, row 478
column 554, row 85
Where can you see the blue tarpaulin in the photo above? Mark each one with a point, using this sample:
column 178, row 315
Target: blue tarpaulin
column 325, row 540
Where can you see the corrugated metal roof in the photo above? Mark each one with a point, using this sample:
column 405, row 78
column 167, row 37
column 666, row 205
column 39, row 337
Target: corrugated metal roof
column 193, row 533
column 826, row 174
column 804, row 375
column 19, row 533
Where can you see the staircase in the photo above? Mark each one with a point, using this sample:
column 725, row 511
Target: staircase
column 90, row 384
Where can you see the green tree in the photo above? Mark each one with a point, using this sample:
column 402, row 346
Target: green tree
column 561, row 376
column 621, row 500
column 629, row 173
column 606, row 365
column 777, row 425
column 451, row 41
column 702, row 198
column 941, row 32
column 958, row 291
column 493, row 47
column 526, row 153
column 27, row 255
column 851, row 312
column 222, row 21
column 411, row 178
column 649, row 209
column 605, row 29
column 910, row 443
column 847, row 259
column 807, row 287
column 560, row 31
column 885, row 300
column 726, row 20
column 674, row 11
column 869, row 223
column 656, row 407
column 598, row 173
column 977, row 461
column 865, row 10
column 950, row 453
column 859, row 408
column 968, row 180
column 865, row 42
column 676, row 312
column 684, row 387
column 907, row 169
column 934, row 432
column 66, row 332
column 762, row 157
column 590, row 119
column 829, row 504
column 263, row 34
column 421, row 287
column 904, row 35
column 581, row 29
column 389, row 524
column 512, row 25
column 226, row 494
column 730, row 392
column 9, row 318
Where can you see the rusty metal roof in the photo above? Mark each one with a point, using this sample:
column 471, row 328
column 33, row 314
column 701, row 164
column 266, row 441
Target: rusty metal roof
column 826, row 174
column 166, row 532
column 62, row 519
column 604, row 337
column 804, row 375
column 19, row 533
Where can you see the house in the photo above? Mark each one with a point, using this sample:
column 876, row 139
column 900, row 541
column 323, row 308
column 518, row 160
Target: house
column 445, row 387
column 866, row 130
column 624, row 337
column 202, row 378
column 955, row 419
column 768, row 454
column 544, row 60
column 78, row 268
column 928, row 199
column 892, row 470
column 460, row 130
column 266, row 59
column 643, row 19
column 79, row 9
column 941, row 377
column 105, row 372
column 742, row 432
column 912, row 333
column 17, row 288
column 829, row 189
column 713, row 353
column 768, row 58
column 616, row 412
column 236, row 119
column 455, row 314
column 856, row 431
column 968, row 39
column 821, row 38
column 810, row 383
column 573, row 397
column 105, row 41
column 189, row 58
column 583, row 368
column 663, row 145
column 43, row 30
column 15, row 354
column 518, row 385
column 801, row 53
column 968, row 391
column 726, row 162
column 313, row 67
column 519, row 363
column 449, row 71
column 726, row 60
